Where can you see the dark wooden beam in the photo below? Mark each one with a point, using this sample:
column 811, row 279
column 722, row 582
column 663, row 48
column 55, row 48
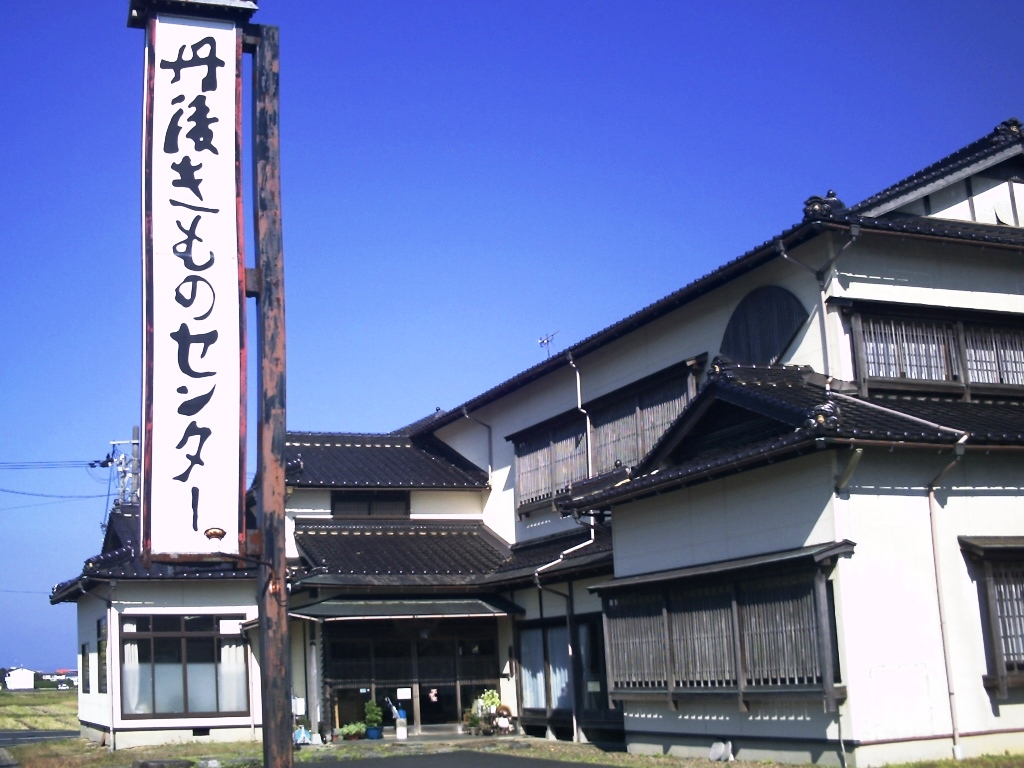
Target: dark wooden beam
column 275, row 669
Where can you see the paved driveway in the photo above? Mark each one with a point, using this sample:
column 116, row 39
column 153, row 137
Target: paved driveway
column 7, row 738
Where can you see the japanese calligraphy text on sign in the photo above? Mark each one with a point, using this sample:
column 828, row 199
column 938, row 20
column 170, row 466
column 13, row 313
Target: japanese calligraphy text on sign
column 193, row 459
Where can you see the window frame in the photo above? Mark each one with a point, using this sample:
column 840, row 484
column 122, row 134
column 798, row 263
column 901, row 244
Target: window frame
column 84, row 675
column 656, row 631
column 994, row 556
column 577, row 676
column 380, row 498
column 101, row 655
column 543, row 447
column 183, row 635
column 968, row 355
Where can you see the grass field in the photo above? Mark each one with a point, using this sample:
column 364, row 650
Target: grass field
column 57, row 710
column 42, row 710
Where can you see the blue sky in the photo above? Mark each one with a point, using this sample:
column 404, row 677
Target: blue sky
column 459, row 179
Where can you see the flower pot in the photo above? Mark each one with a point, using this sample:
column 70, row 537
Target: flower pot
column 374, row 732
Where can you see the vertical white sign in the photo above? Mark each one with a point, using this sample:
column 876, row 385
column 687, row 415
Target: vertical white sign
column 193, row 460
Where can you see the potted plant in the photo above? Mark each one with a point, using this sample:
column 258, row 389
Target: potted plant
column 353, row 731
column 373, row 717
column 471, row 722
column 490, row 699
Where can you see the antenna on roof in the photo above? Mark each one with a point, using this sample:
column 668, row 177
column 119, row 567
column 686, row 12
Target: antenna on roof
column 545, row 341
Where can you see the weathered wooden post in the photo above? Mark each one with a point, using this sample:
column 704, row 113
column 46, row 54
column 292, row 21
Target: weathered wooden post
column 276, row 670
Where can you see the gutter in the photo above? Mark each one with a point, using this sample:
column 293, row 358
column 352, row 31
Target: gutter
column 625, row 494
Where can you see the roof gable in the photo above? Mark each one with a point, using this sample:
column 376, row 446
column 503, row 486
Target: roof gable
column 963, row 186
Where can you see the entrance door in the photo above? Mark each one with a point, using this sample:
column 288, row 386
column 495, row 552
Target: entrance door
column 445, row 664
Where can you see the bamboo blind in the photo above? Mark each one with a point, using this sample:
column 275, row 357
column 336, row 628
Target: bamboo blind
column 688, row 635
column 1008, row 580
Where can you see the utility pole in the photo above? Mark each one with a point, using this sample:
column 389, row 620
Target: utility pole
column 269, row 278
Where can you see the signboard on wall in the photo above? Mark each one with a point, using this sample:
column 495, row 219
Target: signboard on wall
column 193, row 378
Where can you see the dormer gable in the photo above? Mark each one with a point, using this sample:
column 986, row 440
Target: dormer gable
column 982, row 183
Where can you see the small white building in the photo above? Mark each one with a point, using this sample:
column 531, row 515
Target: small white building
column 20, row 679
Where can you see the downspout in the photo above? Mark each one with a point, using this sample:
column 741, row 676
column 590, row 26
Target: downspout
column 569, row 613
column 579, row 407
column 958, row 752
column 820, row 275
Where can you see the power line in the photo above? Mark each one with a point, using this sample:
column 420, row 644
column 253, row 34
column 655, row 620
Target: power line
column 70, row 464
column 53, row 495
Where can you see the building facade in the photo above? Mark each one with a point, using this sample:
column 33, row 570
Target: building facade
column 776, row 512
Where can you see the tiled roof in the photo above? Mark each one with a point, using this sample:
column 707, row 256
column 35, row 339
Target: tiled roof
column 434, row 554
column 806, row 415
column 342, row 460
column 883, row 416
column 398, row 552
column 1006, row 138
column 815, row 222
column 120, row 560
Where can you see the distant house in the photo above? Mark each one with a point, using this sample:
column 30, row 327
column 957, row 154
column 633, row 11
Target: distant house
column 778, row 508
column 20, row 679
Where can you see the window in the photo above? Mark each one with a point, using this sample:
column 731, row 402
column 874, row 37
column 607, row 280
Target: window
column 763, row 325
column 624, row 427
column 178, row 665
column 101, row 653
column 549, row 462
column 1001, row 561
column 976, row 353
column 84, row 674
column 379, row 504
column 752, row 633
column 545, row 663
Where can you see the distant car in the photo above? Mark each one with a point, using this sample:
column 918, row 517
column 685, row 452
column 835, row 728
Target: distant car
column 63, row 687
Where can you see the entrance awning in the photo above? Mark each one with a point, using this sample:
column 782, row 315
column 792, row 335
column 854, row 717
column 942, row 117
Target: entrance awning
column 350, row 609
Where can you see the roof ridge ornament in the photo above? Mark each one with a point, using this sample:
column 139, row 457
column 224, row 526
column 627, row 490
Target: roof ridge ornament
column 827, row 415
column 819, row 207
column 1008, row 130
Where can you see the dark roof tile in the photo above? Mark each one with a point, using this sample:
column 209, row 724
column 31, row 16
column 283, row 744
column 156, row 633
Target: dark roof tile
column 346, row 460
column 436, row 554
column 808, row 412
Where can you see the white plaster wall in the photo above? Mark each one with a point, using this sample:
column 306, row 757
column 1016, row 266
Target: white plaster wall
column 992, row 203
column 308, row 502
column 303, row 502
column 426, row 505
column 584, row 600
column 783, row 506
column 529, row 600
column 93, row 707
column 886, row 596
column 882, row 268
column 228, row 597
column 951, row 202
